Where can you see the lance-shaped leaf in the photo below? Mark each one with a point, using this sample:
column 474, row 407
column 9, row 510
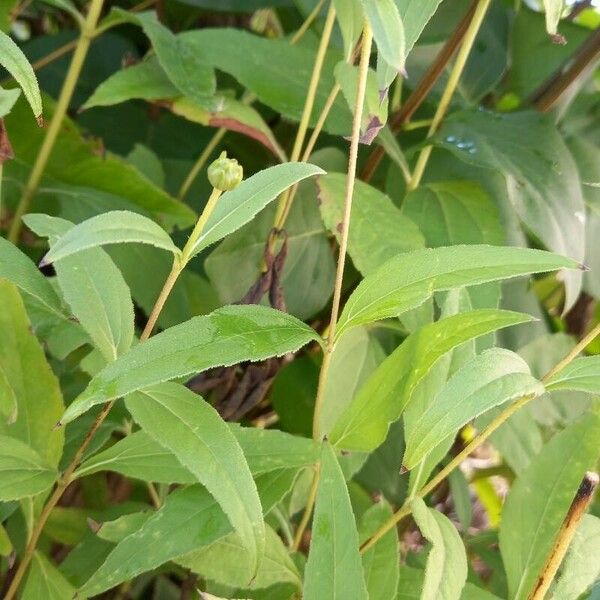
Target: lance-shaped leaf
column 415, row 14
column 539, row 500
column 194, row 432
column 187, row 521
column 18, row 268
column 140, row 456
column 237, row 207
column 407, row 280
column 446, row 570
column 113, row 227
column 225, row 337
column 381, row 401
column 94, row 288
column 23, row 472
column 388, row 31
column 583, row 375
column 490, row 379
column 334, row 568
column 16, row 63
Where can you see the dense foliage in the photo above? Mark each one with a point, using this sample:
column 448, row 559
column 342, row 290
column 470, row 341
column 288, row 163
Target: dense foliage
column 299, row 299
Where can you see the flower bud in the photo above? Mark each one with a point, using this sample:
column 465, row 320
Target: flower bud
column 225, row 174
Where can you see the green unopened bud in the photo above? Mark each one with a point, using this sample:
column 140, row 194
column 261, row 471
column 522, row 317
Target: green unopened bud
column 225, row 174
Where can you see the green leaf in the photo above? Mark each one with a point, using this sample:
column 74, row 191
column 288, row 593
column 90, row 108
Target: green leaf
column 44, row 580
column 16, row 63
column 554, row 10
column 582, row 374
column 381, row 562
column 223, row 111
column 580, row 568
column 91, row 174
column 193, row 431
column 364, row 425
column 446, row 570
column 7, row 100
column 461, row 498
column 185, row 66
column 334, row 569
column 454, row 212
column 388, row 31
column 145, row 80
column 227, row 562
column 415, row 14
column 18, row 268
column 542, row 182
column 188, row 520
column 280, row 73
column 225, row 337
column 539, row 500
column 23, row 471
column 350, row 18
column 29, row 377
column 114, row 227
column 492, row 378
column 237, row 207
column 374, row 225
column 407, row 280
column 94, row 289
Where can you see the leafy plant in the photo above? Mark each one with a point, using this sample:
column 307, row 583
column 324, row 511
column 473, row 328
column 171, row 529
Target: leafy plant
column 299, row 300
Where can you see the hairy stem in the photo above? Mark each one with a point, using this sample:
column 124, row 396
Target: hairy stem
column 308, row 107
column 62, row 105
column 481, row 437
column 451, row 85
column 582, row 499
column 425, row 85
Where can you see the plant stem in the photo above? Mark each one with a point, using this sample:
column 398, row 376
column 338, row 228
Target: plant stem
column 67, row 476
column 481, row 437
column 308, row 106
column 199, row 164
column 582, row 499
column 62, row 105
column 307, row 23
column 310, row 503
column 425, row 85
column 451, row 85
column 363, row 70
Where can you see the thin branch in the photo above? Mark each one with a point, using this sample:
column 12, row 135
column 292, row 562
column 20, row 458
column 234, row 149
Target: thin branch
column 582, row 500
column 550, row 92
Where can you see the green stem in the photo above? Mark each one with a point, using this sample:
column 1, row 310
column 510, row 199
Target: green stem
column 363, row 70
column 62, row 105
column 481, row 437
column 308, row 107
column 451, row 85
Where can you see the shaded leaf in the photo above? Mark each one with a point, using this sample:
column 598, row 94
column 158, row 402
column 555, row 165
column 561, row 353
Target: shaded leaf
column 582, row 374
column 374, row 225
column 44, row 580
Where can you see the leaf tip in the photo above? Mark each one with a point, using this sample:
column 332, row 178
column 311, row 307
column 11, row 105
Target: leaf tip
column 39, row 119
column 584, row 267
column 403, row 470
column 558, row 39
